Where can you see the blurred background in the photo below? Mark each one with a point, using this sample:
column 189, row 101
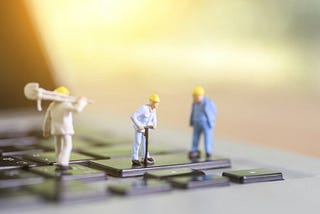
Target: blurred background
column 258, row 60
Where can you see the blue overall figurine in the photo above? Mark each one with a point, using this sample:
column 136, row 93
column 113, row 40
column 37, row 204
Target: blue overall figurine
column 202, row 119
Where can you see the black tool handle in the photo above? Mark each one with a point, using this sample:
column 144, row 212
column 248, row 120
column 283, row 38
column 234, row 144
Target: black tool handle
column 146, row 134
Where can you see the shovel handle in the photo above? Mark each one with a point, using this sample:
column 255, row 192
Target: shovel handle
column 39, row 107
column 146, row 134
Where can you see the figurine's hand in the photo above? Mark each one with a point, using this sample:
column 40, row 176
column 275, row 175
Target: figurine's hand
column 46, row 134
column 83, row 99
column 154, row 127
column 140, row 128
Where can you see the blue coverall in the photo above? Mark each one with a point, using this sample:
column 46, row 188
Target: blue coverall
column 202, row 119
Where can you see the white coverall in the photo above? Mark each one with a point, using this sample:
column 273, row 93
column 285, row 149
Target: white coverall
column 58, row 121
column 144, row 116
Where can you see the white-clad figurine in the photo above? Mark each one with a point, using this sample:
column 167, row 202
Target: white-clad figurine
column 59, row 123
column 142, row 118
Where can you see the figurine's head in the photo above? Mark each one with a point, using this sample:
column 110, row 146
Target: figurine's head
column 62, row 90
column 198, row 94
column 154, row 100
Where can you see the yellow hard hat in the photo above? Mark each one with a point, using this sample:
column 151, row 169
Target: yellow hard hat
column 154, row 98
column 199, row 90
column 62, row 90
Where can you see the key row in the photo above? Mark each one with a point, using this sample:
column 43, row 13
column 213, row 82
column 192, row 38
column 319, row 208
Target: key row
column 76, row 185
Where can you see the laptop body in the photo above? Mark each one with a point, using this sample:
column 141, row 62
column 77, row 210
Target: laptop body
column 19, row 120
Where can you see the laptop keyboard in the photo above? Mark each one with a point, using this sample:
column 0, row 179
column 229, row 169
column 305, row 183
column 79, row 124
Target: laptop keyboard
column 101, row 168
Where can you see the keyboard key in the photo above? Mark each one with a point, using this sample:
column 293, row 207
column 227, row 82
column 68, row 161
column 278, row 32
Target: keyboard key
column 14, row 163
column 199, row 181
column 169, row 173
column 78, row 172
column 139, row 187
column 18, row 150
column 253, row 175
column 50, row 158
column 77, row 144
column 14, row 133
column 19, row 141
column 105, row 140
column 67, row 191
column 124, row 151
column 106, row 152
column 122, row 167
column 17, row 178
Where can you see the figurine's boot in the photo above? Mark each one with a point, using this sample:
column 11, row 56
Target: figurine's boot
column 136, row 163
column 62, row 167
column 150, row 160
column 194, row 155
column 208, row 156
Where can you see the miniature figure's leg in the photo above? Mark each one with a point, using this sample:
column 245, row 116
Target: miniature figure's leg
column 136, row 145
column 66, row 150
column 58, row 147
column 143, row 146
column 196, row 136
column 208, row 139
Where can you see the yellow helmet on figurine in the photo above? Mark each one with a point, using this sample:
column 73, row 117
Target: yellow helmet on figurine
column 62, row 90
column 199, row 90
column 154, row 98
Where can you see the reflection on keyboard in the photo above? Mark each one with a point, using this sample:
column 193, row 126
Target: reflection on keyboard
column 101, row 168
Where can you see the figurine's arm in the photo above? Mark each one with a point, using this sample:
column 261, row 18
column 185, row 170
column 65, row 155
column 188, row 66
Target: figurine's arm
column 211, row 111
column 134, row 118
column 47, row 122
column 191, row 116
column 78, row 106
column 154, row 121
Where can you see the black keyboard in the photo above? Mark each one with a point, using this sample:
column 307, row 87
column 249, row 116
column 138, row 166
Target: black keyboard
column 101, row 168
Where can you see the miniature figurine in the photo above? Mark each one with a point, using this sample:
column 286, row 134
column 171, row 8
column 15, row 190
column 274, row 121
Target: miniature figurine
column 58, row 118
column 143, row 119
column 58, row 123
column 202, row 119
